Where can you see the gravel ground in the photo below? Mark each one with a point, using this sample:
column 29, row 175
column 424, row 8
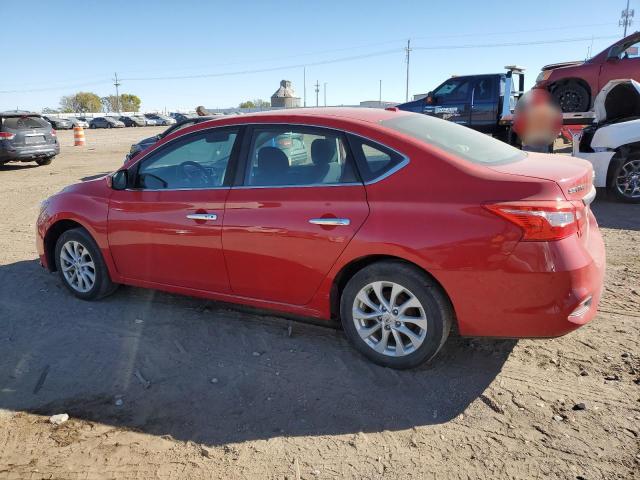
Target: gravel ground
column 162, row 386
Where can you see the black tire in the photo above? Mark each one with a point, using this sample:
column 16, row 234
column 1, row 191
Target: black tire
column 436, row 305
column 618, row 169
column 92, row 125
column 103, row 285
column 44, row 161
column 572, row 97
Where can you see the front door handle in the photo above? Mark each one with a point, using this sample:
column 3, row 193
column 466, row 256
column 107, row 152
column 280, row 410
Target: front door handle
column 202, row 216
column 330, row 221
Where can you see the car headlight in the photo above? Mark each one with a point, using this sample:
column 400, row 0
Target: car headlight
column 543, row 75
column 43, row 205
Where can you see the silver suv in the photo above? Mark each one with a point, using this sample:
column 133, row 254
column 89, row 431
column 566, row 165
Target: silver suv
column 26, row 137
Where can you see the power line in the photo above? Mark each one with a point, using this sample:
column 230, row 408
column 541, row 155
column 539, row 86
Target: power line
column 317, row 63
column 514, row 44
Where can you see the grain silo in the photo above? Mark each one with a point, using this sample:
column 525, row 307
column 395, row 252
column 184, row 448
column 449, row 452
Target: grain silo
column 285, row 96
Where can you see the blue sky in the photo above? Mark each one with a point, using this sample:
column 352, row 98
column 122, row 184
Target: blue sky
column 53, row 48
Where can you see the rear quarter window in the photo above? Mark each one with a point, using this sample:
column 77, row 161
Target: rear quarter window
column 460, row 141
column 24, row 123
column 374, row 160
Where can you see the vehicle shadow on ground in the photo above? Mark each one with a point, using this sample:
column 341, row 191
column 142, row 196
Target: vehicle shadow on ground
column 611, row 213
column 17, row 166
column 198, row 370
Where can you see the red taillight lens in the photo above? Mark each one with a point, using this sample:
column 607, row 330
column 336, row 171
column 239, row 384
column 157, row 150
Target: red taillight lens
column 7, row 136
column 53, row 132
column 542, row 221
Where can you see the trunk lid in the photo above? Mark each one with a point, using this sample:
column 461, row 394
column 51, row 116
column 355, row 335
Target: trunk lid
column 573, row 175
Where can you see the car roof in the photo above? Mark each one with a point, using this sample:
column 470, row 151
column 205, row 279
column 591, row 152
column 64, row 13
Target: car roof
column 19, row 113
column 308, row 115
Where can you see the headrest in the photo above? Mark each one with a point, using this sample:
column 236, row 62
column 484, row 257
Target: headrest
column 272, row 159
column 323, row 151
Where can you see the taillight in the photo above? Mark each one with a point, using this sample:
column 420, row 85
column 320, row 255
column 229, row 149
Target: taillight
column 542, row 220
column 53, row 132
column 7, row 136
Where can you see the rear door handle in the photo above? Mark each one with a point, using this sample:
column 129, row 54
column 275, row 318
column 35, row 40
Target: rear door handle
column 330, row 221
column 202, row 216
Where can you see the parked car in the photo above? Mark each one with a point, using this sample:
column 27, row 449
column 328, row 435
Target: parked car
column 105, row 122
column 147, row 142
column 77, row 122
column 59, row 123
column 575, row 84
column 181, row 117
column 26, row 137
column 160, row 119
column 132, row 121
column 399, row 225
column 612, row 144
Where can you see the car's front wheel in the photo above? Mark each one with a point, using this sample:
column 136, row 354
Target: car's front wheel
column 624, row 183
column 572, row 97
column 395, row 315
column 81, row 266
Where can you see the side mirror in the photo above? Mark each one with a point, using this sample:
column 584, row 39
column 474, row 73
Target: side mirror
column 120, row 180
column 614, row 52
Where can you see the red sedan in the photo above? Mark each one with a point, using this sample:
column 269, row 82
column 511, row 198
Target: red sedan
column 397, row 224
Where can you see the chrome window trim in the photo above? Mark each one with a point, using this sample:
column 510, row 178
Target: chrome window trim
column 405, row 160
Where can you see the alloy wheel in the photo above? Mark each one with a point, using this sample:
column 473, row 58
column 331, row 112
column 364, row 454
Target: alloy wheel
column 389, row 318
column 77, row 266
column 628, row 180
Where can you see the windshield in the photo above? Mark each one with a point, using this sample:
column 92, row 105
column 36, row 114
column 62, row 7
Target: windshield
column 461, row 141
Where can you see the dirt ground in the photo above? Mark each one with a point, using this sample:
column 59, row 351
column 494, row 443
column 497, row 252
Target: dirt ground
column 162, row 386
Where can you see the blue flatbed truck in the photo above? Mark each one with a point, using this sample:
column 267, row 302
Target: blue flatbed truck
column 484, row 102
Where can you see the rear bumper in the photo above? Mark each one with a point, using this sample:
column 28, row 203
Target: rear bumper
column 30, row 153
column 540, row 292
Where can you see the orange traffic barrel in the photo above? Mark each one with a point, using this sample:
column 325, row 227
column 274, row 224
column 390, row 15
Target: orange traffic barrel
column 78, row 136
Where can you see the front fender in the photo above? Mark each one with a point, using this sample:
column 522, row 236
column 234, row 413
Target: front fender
column 86, row 210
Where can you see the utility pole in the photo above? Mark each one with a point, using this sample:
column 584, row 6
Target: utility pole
column 317, row 91
column 117, row 84
column 304, row 87
column 380, row 95
column 625, row 18
column 325, row 94
column 408, row 50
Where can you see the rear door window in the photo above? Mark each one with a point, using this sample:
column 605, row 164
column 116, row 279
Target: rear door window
column 23, row 123
column 298, row 156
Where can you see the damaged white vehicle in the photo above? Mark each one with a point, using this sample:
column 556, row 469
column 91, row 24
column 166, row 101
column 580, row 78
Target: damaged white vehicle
column 612, row 143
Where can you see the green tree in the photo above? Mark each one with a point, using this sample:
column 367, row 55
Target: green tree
column 130, row 102
column 255, row 103
column 81, row 102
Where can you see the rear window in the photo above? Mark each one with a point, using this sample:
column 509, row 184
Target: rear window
column 461, row 141
column 23, row 123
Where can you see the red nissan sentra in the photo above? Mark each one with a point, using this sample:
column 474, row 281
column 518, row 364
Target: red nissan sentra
column 397, row 224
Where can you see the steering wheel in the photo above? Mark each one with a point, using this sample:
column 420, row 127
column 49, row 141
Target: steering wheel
column 194, row 174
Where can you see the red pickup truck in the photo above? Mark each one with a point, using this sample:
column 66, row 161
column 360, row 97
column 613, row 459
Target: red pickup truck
column 574, row 85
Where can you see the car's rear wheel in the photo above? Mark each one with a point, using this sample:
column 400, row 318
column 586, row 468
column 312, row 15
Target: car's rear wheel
column 395, row 315
column 624, row 182
column 81, row 266
column 44, row 161
column 572, row 97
